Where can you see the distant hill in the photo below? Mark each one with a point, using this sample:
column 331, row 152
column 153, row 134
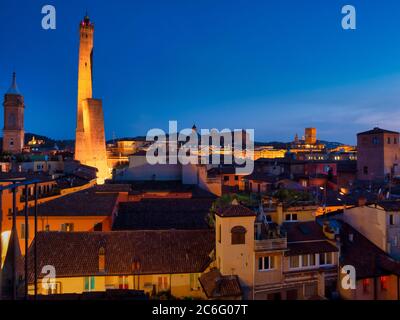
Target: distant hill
column 139, row 138
column 49, row 142
column 70, row 142
column 285, row 145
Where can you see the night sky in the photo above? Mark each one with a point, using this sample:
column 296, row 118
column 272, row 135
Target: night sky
column 275, row 66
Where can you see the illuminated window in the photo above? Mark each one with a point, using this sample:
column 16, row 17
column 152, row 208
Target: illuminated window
column 325, row 258
column 305, row 260
column 312, row 260
column 294, row 261
column 123, row 282
column 266, row 263
column 366, row 284
column 194, row 282
column 89, row 283
column 291, row 217
column 162, row 284
column 23, row 231
column 384, row 283
column 391, row 219
column 67, row 227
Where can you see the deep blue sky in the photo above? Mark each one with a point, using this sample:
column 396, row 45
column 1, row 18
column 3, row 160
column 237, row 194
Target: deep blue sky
column 275, row 66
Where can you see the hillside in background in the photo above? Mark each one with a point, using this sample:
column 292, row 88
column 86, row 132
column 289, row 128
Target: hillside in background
column 49, row 142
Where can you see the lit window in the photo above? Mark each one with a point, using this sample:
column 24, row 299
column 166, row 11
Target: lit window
column 391, row 219
column 304, row 260
column 291, row 217
column 312, row 260
column 325, row 258
column 23, row 231
column 89, row 283
column 123, row 282
column 67, row 227
column 162, row 284
column 366, row 283
column 294, row 261
column 194, row 282
column 384, row 283
column 266, row 263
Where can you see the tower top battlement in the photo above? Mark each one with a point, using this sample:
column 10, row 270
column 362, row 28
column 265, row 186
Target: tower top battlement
column 86, row 23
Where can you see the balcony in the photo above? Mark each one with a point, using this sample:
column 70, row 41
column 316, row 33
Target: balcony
column 270, row 244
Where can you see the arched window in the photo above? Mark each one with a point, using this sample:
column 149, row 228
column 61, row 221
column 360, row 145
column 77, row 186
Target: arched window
column 238, row 235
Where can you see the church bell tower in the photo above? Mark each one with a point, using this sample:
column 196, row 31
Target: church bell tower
column 13, row 131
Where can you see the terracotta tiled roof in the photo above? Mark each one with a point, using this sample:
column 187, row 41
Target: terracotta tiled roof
column 377, row 130
column 26, row 176
column 82, row 203
column 113, row 187
column 368, row 259
column 76, row 254
column 303, row 231
column 236, row 210
column 310, row 247
column 150, row 214
column 263, row 177
column 216, row 285
column 390, row 205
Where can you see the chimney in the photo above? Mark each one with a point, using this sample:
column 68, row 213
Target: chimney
column 362, row 201
column 102, row 260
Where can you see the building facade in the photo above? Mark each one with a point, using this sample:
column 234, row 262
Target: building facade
column 377, row 154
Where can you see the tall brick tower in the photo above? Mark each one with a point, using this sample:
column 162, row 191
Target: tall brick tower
column 13, row 131
column 90, row 145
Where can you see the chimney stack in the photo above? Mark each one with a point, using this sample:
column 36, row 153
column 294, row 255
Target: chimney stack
column 362, row 201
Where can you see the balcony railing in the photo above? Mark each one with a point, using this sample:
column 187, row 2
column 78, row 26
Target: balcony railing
column 270, row 244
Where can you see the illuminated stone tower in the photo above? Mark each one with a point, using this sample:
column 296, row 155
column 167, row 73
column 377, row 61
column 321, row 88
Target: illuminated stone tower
column 13, row 131
column 90, row 145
